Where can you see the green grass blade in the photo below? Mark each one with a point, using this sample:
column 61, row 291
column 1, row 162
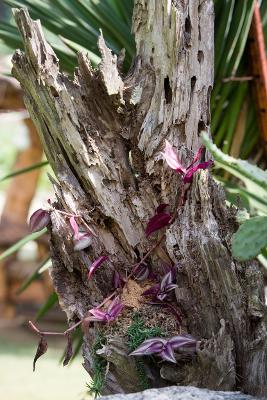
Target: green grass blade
column 35, row 275
column 15, row 247
column 50, row 303
column 24, row 170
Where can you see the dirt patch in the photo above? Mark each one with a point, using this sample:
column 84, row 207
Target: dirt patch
column 132, row 294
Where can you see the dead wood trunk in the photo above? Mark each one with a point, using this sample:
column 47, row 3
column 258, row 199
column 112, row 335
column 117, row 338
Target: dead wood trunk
column 103, row 133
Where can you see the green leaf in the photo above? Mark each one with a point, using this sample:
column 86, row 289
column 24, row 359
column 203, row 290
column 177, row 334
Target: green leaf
column 24, row 170
column 44, row 265
column 241, row 197
column 51, row 301
column 253, row 177
column 250, row 239
column 15, row 247
column 76, row 47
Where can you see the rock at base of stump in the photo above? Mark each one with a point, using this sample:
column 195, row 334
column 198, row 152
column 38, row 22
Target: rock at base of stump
column 180, row 393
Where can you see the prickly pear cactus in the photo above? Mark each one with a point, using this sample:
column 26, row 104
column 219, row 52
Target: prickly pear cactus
column 250, row 238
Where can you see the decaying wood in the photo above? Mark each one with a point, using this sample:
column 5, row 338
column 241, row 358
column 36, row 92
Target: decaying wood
column 103, row 134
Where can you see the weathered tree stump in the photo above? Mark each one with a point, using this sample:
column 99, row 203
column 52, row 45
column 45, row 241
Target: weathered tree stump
column 103, row 133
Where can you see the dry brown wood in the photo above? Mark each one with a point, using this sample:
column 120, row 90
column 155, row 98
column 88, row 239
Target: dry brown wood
column 103, row 134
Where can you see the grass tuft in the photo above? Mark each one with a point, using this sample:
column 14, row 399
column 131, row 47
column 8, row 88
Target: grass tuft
column 99, row 368
column 137, row 333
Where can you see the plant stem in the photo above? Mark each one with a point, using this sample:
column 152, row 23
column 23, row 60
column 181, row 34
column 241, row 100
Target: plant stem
column 44, row 333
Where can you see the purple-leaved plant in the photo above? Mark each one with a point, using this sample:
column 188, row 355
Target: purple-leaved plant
column 143, row 271
column 118, row 280
column 161, row 290
column 187, row 173
column 108, row 315
column 39, row 220
column 159, row 220
column 81, row 240
column 96, row 264
column 164, row 348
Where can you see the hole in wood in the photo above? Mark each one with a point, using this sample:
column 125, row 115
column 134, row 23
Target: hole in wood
column 188, row 26
column 193, row 83
column 200, row 56
column 167, row 90
column 201, row 126
column 187, row 32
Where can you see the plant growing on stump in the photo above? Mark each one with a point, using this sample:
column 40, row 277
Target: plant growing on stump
column 104, row 134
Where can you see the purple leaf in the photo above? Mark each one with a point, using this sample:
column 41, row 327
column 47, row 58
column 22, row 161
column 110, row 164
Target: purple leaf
column 162, row 347
column 96, row 264
column 118, row 281
column 114, row 309
column 75, row 228
column 171, row 158
column 108, row 315
column 81, row 239
column 188, row 177
column 157, row 222
column 84, row 240
column 167, row 353
column 182, row 341
column 149, row 346
column 141, row 272
column 68, row 351
column 170, row 268
column 152, row 291
column 160, row 291
column 164, row 288
column 161, row 296
column 166, row 280
column 41, row 349
column 198, row 155
column 39, row 220
column 98, row 314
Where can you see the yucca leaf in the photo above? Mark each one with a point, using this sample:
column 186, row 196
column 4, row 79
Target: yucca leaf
column 223, row 25
column 233, row 116
column 76, row 47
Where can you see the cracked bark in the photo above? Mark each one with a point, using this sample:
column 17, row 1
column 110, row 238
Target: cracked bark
column 103, row 133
